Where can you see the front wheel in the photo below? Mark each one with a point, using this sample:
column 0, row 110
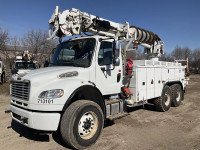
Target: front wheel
column 81, row 124
column 3, row 78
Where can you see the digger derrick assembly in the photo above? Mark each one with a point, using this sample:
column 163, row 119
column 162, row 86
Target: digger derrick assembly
column 74, row 22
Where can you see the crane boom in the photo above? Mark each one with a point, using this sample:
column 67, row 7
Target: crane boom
column 74, row 22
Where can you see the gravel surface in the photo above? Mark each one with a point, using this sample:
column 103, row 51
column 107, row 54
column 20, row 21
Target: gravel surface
column 143, row 129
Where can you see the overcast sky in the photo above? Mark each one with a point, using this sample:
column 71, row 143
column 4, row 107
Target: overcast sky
column 177, row 22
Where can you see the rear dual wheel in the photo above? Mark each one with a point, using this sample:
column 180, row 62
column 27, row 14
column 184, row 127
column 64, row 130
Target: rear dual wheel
column 81, row 124
column 171, row 96
column 177, row 95
column 163, row 103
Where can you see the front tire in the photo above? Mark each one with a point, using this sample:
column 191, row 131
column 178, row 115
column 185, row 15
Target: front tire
column 164, row 102
column 3, row 78
column 81, row 124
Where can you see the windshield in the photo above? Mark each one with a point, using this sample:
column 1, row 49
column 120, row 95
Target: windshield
column 74, row 53
column 25, row 65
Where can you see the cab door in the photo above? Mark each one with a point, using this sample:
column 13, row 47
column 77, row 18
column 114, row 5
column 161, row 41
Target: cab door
column 108, row 76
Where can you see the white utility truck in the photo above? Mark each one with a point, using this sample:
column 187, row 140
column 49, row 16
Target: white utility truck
column 24, row 64
column 89, row 79
column 2, row 73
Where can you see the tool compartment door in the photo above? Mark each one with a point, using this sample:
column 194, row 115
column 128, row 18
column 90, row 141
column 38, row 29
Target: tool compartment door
column 165, row 75
column 141, row 84
column 158, row 82
column 150, row 83
column 171, row 74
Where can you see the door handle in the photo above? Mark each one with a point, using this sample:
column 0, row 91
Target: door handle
column 118, row 77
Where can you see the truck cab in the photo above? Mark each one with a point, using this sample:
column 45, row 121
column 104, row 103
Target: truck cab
column 23, row 65
column 80, row 69
column 76, row 64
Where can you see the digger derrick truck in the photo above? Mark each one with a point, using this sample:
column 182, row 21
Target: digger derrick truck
column 88, row 80
column 24, row 63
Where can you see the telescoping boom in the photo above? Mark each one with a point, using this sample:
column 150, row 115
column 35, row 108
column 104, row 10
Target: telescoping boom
column 74, row 22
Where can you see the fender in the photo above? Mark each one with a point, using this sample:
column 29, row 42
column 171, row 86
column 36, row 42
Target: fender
column 169, row 83
column 173, row 82
column 87, row 92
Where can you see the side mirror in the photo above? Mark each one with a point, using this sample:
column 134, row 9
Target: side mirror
column 46, row 64
column 117, row 62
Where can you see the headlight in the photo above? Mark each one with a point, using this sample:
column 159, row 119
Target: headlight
column 51, row 94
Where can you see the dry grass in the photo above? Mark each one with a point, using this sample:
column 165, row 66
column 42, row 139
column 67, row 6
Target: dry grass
column 5, row 89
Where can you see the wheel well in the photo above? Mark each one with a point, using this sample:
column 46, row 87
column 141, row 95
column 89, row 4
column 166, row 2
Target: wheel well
column 175, row 82
column 86, row 92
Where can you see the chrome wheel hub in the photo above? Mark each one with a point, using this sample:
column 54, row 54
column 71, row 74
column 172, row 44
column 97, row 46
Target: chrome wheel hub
column 87, row 126
column 178, row 96
column 167, row 98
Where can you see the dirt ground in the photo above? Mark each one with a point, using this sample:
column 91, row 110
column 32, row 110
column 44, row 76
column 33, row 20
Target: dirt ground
column 143, row 129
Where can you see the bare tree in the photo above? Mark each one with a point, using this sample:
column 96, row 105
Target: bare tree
column 36, row 42
column 182, row 53
column 15, row 44
column 136, row 55
column 196, row 61
column 3, row 41
column 177, row 53
column 187, row 53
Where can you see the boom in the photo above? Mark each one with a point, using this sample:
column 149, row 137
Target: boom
column 74, row 22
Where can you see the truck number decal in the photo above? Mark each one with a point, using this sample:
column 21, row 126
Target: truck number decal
column 45, row 101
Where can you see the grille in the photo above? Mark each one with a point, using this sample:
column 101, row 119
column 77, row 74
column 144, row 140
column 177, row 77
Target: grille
column 20, row 90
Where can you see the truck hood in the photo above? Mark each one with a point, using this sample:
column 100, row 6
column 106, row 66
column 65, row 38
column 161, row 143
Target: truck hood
column 51, row 73
column 46, row 79
column 23, row 71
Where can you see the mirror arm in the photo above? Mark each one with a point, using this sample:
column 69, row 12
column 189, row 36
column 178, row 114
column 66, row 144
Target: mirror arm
column 103, row 69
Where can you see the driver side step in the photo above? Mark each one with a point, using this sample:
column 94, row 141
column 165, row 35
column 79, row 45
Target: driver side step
column 115, row 109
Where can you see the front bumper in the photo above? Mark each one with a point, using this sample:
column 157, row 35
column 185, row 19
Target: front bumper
column 36, row 120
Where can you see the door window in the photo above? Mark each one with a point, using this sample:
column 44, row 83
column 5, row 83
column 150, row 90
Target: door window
column 105, row 56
